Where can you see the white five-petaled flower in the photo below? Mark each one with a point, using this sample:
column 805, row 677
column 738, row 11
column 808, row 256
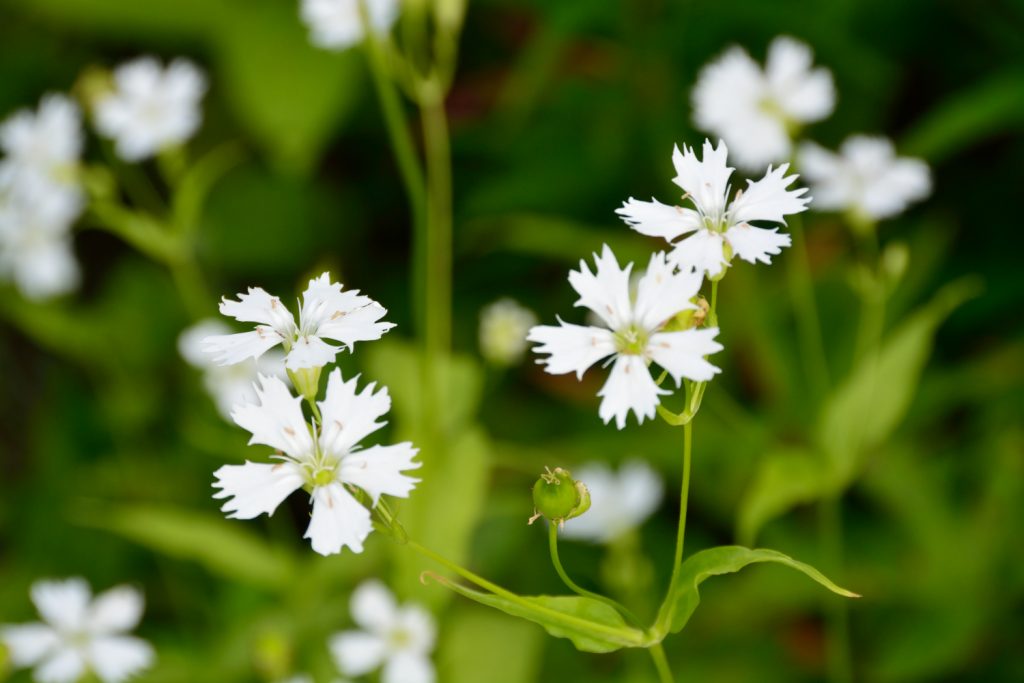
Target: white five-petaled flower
column 619, row 501
column 503, row 328
column 151, row 107
column 633, row 334
column 325, row 462
column 227, row 385
column 327, row 312
column 336, row 24
column 79, row 634
column 718, row 228
column 865, row 178
column 400, row 638
column 757, row 111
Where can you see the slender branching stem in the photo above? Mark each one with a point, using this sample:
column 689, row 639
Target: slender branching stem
column 661, row 663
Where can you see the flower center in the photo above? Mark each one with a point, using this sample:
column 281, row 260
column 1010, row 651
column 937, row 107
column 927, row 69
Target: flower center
column 399, row 639
column 631, row 341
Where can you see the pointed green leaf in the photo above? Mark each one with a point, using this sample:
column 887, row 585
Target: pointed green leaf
column 592, row 626
column 727, row 559
column 785, row 478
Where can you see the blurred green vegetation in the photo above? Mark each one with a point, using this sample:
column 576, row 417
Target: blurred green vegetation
column 559, row 112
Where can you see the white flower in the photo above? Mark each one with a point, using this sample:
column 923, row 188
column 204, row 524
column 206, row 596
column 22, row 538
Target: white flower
column 326, row 464
column 756, row 111
column 336, row 24
column 633, row 334
column 151, row 108
column 619, row 501
column 227, row 385
column 715, row 223
column 865, row 178
column 42, row 150
column 503, row 328
column 35, row 246
column 400, row 638
column 327, row 312
column 79, row 634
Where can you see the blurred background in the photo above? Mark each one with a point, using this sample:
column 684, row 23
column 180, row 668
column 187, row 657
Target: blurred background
column 559, row 111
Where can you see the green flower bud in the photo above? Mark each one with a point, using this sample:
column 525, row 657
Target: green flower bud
column 559, row 497
column 306, row 381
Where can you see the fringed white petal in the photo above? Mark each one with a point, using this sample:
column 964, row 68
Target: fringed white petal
column 378, row 470
column 338, row 521
column 253, row 489
column 310, row 351
column 605, row 291
column 571, row 348
column 702, row 251
column 117, row 658
column 348, row 416
column 63, row 604
column 705, row 180
column 682, row 353
column 228, row 349
column 116, row 610
column 357, row 653
column 768, row 199
column 630, row 387
column 257, row 306
column 661, row 292
column 756, row 244
column 276, row 419
column 658, row 220
column 373, row 607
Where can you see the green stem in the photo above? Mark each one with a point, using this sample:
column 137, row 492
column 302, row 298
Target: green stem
column 661, row 663
column 713, row 310
column 684, row 495
column 553, row 547
column 808, row 324
column 438, row 284
column 840, row 667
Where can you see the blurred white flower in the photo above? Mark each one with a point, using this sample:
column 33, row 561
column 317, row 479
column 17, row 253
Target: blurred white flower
column 400, row 638
column 151, row 107
column 325, row 464
column 228, row 385
column 503, row 328
column 336, row 24
column 865, row 177
column 720, row 228
column 40, row 197
column 619, row 501
column 631, row 334
column 327, row 312
column 757, row 111
column 79, row 634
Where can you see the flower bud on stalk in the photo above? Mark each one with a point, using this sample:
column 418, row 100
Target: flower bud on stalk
column 558, row 497
column 306, row 381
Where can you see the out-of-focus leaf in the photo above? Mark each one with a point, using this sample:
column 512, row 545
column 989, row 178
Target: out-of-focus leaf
column 725, row 559
column 476, row 645
column 223, row 547
column 592, row 626
column 553, row 237
column 290, row 95
column 784, row 479
column 153, row 18
column 865, row 409
column 983, row 110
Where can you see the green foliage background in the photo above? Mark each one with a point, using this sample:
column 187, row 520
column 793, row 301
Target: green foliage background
column 560, row 110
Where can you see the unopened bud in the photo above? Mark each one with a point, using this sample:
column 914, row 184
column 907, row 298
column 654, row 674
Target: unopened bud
column 558, row 497
column 306, row 381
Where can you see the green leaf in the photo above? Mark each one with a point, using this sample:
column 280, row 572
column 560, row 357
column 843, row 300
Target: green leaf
column 592, row 626
column 223, row 547
column 865, row 409
column 290, row 95
column 785, row 478
column 727, row 559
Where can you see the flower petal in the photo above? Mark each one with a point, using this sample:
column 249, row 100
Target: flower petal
column 661, row 292
column 65, row 666
column 682, row 353
column 118, row 658
column 342, row 315
column 701, row 251
column 768, row 199
column 706, row 180
column 276, row 419
column 115, row 610
column 228, row 349
column 571, row 348
column 419, row 627
column 29, row 643
column 756, row 244
column 62, row 604
column 338, row 520
column 803, row 93
column 378, row 470
column 408, row 668
column 357, row 653
column 348, row 417
column 606, row 291
column 310, row 352
column 256, row 488
column 629, row 387
column 658, row 220
column 257, row 306
column 373, row 607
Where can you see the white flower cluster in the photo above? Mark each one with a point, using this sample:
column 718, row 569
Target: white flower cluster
column 504, row 325
column 41, row 192
column 40, row 197
column 80, row 635
column 322, row 455
column 761, row 112
column 337, row 25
